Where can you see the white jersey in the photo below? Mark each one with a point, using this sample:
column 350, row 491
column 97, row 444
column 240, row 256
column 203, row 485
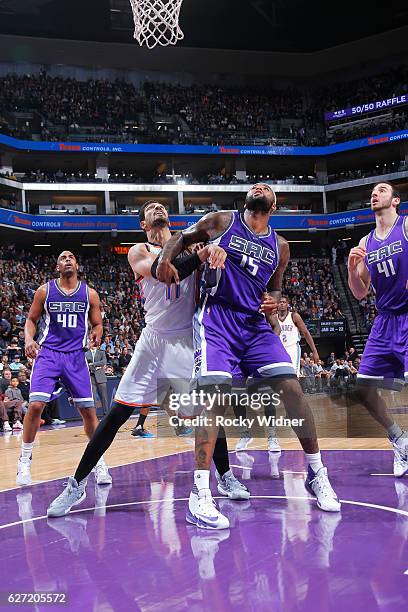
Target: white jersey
column 169, row 311
column 289, row 335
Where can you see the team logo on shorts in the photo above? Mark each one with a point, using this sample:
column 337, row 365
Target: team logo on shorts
column 197, row 361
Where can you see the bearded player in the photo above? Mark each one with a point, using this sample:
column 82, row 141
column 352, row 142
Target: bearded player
column 231, row 335
column 381, row 261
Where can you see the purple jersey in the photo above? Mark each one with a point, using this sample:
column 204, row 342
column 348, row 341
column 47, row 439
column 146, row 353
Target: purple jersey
column 387, row 262
column 251, row 261
column 66, row 318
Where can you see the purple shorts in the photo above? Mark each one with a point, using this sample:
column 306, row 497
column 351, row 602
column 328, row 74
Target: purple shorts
column 231, row 344
column 51, row 368
column 385, row 359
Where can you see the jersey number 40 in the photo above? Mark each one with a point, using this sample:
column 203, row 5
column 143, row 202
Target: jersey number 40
column 67, row 320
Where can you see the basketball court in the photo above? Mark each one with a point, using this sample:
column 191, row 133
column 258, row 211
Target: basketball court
column 128, row 546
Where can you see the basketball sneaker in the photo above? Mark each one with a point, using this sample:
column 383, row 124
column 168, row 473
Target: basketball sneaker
column 24, row 472
column 183, row 430
column 400, row 456
column 244, row 441
column 17, row 425
column 101, row 471
column 72, row 495
column 203, row 512
column 319, row 486
column 230, row 486
column 6, row 426
column 140, row 432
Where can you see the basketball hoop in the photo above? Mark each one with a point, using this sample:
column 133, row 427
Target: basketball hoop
column 157, row 22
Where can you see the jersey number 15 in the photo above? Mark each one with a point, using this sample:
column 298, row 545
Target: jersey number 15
column 249, row 264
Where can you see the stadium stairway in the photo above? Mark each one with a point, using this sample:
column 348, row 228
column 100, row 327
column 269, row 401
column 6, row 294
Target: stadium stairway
column 345, row 301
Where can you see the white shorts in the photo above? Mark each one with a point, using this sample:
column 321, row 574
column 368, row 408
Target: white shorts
column 294, row 354
column 157, row 365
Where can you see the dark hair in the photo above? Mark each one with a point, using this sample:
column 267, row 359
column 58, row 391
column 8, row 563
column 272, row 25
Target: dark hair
column 143, row 208
column 395, row 192
column 75, row 257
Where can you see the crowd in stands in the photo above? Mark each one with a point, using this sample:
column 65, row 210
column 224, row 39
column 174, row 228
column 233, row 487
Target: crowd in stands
column 195, row 114
column 161, row 178
column 333, row 374
column 309, row 285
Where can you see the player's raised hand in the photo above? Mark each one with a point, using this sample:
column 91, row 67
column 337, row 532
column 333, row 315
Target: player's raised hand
column 216, row 257
column 269, row 305
column 356, row 256
column 167, row 273
column 32, row 349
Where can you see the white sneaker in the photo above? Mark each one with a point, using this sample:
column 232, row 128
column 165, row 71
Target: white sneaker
column 202, row 511
column 244, row 441
column 72, row 495
column 57, row 422
column 6, row 426
column 230, row 486
column 102, row 475
column 400, row 458
column 319, row 486
column 17, row 425
column 24, row 472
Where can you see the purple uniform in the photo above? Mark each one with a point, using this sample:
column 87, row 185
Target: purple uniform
column 63, row 339
column 231, row 337
column 385, row 358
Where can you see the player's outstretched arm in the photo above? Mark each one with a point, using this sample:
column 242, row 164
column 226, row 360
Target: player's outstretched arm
column 207, row 228
column 269, row 304
column 300, row 324
column 358, row 275
column 30, row 327
column 95, row 317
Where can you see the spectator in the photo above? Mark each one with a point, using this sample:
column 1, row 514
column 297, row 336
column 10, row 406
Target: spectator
column 13, row 401
column 124, row 359
column 15, row 365
column 5, row 380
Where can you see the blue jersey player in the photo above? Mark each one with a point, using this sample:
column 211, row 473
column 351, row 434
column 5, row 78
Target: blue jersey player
column 381, row 261
column 66, row 304
column 232, row 338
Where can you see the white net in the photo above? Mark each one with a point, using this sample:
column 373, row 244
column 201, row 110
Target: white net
column 157, row 22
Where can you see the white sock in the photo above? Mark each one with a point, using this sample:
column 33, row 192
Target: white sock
column 27, row 449
column 202, row 479
column 314, row 460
